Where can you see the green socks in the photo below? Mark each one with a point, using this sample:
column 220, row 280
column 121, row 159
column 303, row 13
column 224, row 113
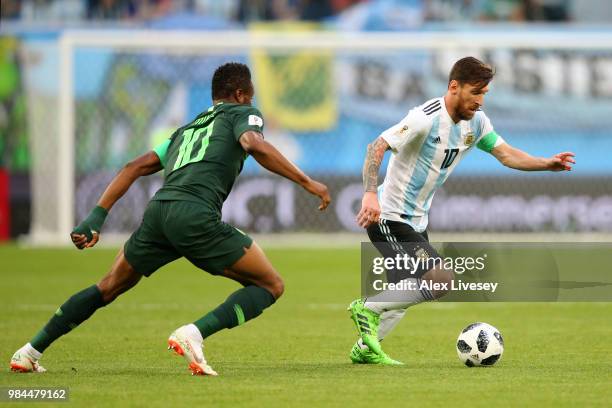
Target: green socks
column 243, row 305
column 75, row 311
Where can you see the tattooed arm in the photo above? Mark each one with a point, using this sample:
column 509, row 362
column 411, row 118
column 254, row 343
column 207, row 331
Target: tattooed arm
column 370, row 209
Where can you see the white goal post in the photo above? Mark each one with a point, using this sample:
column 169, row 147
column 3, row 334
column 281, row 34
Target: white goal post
column 54, row 214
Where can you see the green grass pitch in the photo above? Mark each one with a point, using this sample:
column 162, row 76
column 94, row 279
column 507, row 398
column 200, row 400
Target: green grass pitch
column 296, row 353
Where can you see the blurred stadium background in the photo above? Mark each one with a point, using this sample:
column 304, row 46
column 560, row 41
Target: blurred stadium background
column 86, row 85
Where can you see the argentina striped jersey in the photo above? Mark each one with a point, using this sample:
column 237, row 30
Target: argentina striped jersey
column 427, row 146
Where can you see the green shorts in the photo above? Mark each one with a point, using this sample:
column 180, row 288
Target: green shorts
column 172, row 229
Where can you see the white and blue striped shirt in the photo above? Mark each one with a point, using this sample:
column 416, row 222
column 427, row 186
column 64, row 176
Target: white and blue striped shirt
column 427, row 146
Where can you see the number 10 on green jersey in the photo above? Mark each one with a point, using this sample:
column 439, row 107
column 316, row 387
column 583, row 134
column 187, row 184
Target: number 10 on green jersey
column 190, row 139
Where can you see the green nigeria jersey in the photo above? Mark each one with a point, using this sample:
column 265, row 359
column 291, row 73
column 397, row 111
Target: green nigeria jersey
column 203, row 158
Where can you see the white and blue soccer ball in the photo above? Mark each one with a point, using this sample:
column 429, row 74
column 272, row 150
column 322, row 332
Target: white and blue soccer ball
column 480, row 344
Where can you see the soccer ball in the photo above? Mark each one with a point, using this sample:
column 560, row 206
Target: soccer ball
column 480, row 344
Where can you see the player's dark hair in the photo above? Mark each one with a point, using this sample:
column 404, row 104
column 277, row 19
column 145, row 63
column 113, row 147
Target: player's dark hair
column 230, row 77
column 470, row 70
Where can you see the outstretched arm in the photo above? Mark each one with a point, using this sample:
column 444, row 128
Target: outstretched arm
column 370, row 209
column 87, row 233
column 144, row 165
column 269, row 157
column 517, row 159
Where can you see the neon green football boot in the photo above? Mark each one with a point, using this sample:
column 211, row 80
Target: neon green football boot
column 367, row 322
column 356, row 355
column 365, row 356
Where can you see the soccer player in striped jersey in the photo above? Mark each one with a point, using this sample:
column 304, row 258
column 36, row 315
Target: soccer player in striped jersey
column 426, row 147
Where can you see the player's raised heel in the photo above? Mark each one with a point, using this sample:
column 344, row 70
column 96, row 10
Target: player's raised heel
column 175, row 347
column 19, row 369
column 21, row 362
column 183, row 343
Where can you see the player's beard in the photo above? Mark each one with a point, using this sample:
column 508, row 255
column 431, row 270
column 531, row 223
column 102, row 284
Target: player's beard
column 466, row 114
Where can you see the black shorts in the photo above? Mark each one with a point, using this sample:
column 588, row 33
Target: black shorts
column 401, row 238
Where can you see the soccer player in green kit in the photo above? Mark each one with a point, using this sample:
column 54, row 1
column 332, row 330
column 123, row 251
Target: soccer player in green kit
column 201, row 161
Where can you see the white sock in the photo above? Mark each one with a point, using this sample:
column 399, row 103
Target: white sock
column 399, row 299
column 193, row 332
column 32, row 352
column 388, row 321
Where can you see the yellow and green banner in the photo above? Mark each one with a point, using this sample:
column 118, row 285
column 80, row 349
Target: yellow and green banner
column 294, row 90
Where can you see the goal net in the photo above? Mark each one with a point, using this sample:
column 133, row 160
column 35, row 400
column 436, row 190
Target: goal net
column 324, row 97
